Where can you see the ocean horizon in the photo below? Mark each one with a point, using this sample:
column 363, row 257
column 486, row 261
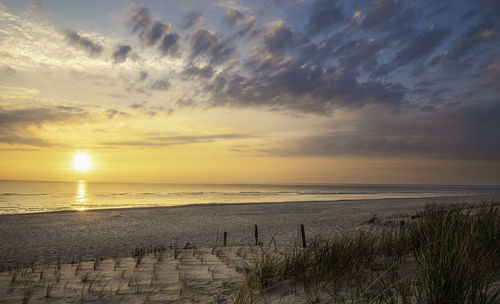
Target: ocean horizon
column 20, row 197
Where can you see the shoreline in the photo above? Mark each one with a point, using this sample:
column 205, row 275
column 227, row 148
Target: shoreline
column 213, row 204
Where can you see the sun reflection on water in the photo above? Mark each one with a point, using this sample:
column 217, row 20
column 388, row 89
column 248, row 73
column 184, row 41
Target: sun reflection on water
column 81, row 196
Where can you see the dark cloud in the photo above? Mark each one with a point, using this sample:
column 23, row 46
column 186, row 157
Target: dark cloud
column 111, row 113
column 178, row 140
column 489, row 10
column 421, row 45
column 194, row 71
column 38, row 116
column 74, row 39
column 380, row 13
column 13, row 139
column 325, row 14
column 143, row 75
column 157, row 31
column 161, row 85
column 170, row 44
column 205, row 43
column 138, row 105
column 121, row 53
column 185, row 102
column 149, row 31
column 278, row 39
column 244, row 24
column 16, row 124
column 460, row 132
column 202, row 42
column 478, row 45
column 234, row 17
column 361, row 52
column 446, row 7
column 152, row 32
column 476, row 37
column 139, row 18
column 190, row 19
column 293, row 87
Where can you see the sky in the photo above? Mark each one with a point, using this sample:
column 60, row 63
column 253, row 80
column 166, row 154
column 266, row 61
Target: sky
column 226, row 91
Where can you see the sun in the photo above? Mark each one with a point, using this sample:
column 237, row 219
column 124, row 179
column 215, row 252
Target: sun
column 81, row 162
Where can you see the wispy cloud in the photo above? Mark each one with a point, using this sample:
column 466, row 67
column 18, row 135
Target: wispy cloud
column 160, row 141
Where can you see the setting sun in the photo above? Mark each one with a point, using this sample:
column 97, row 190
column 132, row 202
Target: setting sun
column 81, row 162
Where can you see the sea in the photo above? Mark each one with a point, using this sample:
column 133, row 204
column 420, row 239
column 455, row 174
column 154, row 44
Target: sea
column 18, row 197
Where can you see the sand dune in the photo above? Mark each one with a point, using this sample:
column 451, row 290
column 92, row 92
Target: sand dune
column 190, row 276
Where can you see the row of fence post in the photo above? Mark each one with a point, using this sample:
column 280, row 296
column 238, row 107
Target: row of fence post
column 302, row 232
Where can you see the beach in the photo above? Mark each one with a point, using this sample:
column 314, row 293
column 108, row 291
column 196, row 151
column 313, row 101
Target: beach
column 68, row 236
column 94, row 256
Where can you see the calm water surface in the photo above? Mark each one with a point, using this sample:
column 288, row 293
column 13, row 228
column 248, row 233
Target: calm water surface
column 28, row 197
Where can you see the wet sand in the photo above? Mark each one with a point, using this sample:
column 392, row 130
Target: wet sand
column 48, row 237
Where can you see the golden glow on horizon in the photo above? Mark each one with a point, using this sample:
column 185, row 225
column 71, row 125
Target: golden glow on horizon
column 81, row 162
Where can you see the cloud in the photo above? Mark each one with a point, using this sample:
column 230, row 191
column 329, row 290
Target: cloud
column 190, row 19
column 121, row 53
column 5, row 69
column 152, row 32
column 463, row 54
column 421, row 45
column 111, row 113
column 13, row 139
column 36, row 9
column 380, row 13
column 38, row 116
column 360, row 52
column 161, row 85
column 234, row 17
column 291, row 86
column 459, row 132
column 138, row 105
column 170, row 44
column 205, row 43
column 278, row 38
column 16, row 125
column 202, row 42
column 159, row 141
column 139, row 17
column 157, row 31
column 143, row 75
column 324, row 15
column 194, row 72
column 446, row 7
column 74, row 39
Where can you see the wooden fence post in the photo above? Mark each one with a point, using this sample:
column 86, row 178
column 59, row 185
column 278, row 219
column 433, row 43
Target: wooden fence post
column 303, row 232
column 256, row 235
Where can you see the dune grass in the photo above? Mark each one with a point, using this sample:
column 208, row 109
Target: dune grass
column 447, row 254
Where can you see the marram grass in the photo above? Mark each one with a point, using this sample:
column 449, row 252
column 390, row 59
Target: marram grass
column 447, row 254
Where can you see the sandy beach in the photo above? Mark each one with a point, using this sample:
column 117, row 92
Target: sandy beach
column 77, row 257
column 67, row 236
